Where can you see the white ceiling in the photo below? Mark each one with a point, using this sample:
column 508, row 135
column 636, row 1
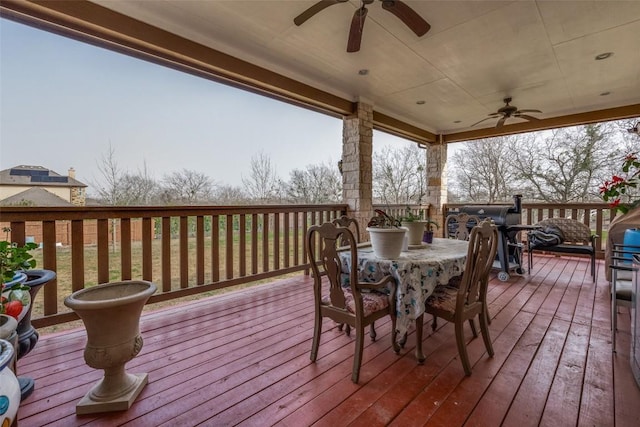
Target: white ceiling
column 541, row 53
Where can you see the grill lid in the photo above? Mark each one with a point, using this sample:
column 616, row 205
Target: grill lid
column 500, row 214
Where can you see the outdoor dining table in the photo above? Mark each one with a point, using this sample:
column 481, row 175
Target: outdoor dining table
column 417, row 273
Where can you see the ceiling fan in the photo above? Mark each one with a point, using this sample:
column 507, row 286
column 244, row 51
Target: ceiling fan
column 509, row 111
column 407, row 15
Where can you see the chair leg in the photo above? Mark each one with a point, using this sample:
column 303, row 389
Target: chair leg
column 486, row 308
column 419, row 354
column 347, row 329
column 484, row 328
column 317, row 331
column 372, row 331
column 357, row 357
column 474, row 331
column 434, row 323
column 614, row 321
column 462, row 348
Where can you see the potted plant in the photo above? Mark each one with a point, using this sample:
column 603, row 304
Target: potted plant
column 14, row 261
column 20, row 285
column 417, row 226
column 427, row 236
column 386, row 234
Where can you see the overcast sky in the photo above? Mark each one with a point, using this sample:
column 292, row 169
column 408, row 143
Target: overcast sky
column 62, row 103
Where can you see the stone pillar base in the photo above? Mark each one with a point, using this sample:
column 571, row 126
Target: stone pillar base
column 120, row 403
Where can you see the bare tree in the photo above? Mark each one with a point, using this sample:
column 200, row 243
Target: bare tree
column 483, row 170
column 263, row 184
column 139, row 188
column 319, row 183
column 568, row 165
column 187, row 186
column 399, row 175
column 108, row 188
column 229, row 195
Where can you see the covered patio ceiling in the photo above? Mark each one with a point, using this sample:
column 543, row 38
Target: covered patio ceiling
column 427, row 89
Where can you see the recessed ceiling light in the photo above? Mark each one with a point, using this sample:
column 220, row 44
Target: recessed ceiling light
column 457, row 121
column 605, row 93
column 421, row 102
column 363, row 72
column 604, row 55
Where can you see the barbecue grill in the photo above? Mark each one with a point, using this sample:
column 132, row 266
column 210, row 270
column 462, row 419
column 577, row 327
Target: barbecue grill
column 508, row 220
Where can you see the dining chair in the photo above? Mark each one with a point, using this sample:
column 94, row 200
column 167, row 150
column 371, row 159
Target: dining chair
column 351, row 224
column 621, row 283
column 468, row 300
column 359, row 304
column 457, row 226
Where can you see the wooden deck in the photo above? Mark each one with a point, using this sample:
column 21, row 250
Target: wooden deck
column 243, row 359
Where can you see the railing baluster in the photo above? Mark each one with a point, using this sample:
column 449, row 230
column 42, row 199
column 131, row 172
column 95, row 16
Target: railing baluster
column 166, row 254
column 229, row 247
column 103, row 250
column 242, row 248
column 276, row 241
column 286, row 227
column 215, row 248
column 77, row 254
column 125, row 249
column 254, row 244
column 184, row 251
column 200, row 250
column 49, row 261
column 265, row 242
column 296, row 238
column 147, row 250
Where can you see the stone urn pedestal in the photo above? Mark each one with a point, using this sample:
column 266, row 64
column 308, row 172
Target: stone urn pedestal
column 111, row 315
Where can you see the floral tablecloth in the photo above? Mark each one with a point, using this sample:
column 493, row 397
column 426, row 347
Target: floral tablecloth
column 417, row 273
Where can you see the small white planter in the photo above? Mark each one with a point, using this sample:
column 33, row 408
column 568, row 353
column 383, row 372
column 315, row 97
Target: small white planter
column 416, row 231
column 387, row 242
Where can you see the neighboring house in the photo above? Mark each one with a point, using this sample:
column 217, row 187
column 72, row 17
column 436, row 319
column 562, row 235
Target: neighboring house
column 38, row 186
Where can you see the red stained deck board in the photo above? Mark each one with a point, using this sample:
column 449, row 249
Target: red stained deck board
column 211, row 362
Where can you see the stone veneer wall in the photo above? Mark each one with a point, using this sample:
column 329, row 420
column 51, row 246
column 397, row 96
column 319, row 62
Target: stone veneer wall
column 357, row 165
column 437, row 179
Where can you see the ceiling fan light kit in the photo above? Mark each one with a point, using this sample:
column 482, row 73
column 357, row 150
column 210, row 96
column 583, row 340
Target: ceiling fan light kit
column 396, row 7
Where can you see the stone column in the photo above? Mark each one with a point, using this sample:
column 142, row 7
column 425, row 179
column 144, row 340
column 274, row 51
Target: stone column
column 357, row 154
column 437, row 180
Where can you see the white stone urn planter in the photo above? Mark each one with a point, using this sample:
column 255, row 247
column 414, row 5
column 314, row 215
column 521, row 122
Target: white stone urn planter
column 111, row 315
column 387, row 242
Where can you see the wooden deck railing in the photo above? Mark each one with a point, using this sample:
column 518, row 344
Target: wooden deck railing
column 171, row 246
column 174, row 246
column 597, row 216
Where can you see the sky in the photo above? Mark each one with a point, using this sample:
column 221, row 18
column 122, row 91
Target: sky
column 63, row 103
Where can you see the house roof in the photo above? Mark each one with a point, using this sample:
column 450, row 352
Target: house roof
column 427, row 88
column 35, row 196
column 26, row 175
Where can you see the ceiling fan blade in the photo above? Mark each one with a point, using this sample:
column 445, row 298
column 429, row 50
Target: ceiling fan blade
column 355, row 32
column 407, row 15
column 527, row 117
column 529, row 111
column 318, row 7
column 501, row 122
column 476, row 123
